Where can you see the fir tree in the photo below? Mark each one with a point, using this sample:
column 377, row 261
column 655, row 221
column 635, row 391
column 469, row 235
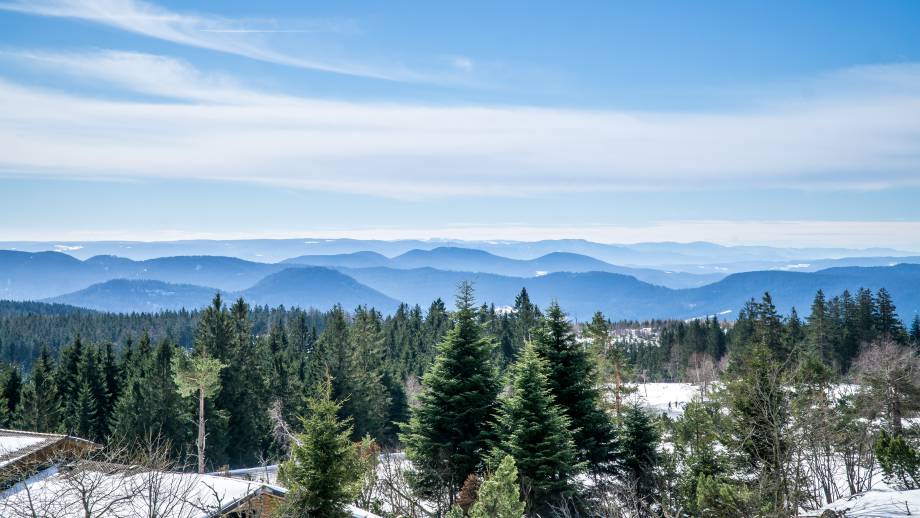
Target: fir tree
column 573, row 383
column 111, row 384
column 534, row 430
column 12, row 390
column 150, row 405
column 638, row 454
column 900, row 461
column 449, row 429
column 242, row 394
column 324, row 471
column 915, row 331
column 500, row 494
column 887, row 323
column 818, row 329
column 40, row 407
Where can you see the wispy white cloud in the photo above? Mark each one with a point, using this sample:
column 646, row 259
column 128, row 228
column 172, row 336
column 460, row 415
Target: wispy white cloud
column 851, row 137
column 215, row 33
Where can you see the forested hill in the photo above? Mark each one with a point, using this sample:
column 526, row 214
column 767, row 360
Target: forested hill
column 114, row 284
column 619, row 296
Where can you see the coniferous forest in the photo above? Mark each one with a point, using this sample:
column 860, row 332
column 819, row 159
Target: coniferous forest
column 475, row 398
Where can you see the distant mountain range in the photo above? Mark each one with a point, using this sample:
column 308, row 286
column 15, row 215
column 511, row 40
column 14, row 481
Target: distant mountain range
column 644, row 255
column 306, row 287
column 582, row 284
column 480, row 261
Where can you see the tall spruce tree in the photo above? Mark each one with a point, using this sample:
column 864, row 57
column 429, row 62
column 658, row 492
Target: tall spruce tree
column 12, row 391
column 40, row 407
column 324, row 472
column 149, row 405
column 888, row 324
column 450, row 428
column 573, row 383
column 535, row 431
column 242, row 394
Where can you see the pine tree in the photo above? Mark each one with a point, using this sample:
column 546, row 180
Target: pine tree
column 573, row 383
column 500, row 494
column 449, row 429
column 324, row 472
column 534, row 430
column 198, row 375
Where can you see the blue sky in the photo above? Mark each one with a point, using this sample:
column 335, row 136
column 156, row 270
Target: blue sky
column 736, row 122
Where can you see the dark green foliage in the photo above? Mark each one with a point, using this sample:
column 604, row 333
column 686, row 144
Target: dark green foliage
column 535, row 431
column 449, row 430
column 573, row 383
column 11, row 392
column 242, row 395
column 324, row 472
column 40, row 404
column 149, row 405
column 720, row 498
column 638, row 454
column 500, row 494
column 695, row 436
column 900, row 461
column 887, row 323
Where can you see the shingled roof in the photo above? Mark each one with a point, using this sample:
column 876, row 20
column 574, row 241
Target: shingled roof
column 23, row 452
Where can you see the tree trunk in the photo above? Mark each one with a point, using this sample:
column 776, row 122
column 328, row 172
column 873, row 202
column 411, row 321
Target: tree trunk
column 201, row 436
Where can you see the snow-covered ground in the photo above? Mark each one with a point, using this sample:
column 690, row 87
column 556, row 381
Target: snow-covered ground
column 664, row 398
column 877, row 503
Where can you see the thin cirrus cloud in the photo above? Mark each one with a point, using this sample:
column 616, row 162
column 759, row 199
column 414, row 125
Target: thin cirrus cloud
column 218, row 34
column 863, row 134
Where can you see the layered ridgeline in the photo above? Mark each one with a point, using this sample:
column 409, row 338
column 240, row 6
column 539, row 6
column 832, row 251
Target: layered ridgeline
column 417, row 277
column 693, row 257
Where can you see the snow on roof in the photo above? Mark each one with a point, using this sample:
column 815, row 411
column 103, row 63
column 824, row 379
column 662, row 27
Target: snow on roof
column 59, row 492
column 10, row 446
column 877, row 503
column 16, row 444
column 269, row 475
